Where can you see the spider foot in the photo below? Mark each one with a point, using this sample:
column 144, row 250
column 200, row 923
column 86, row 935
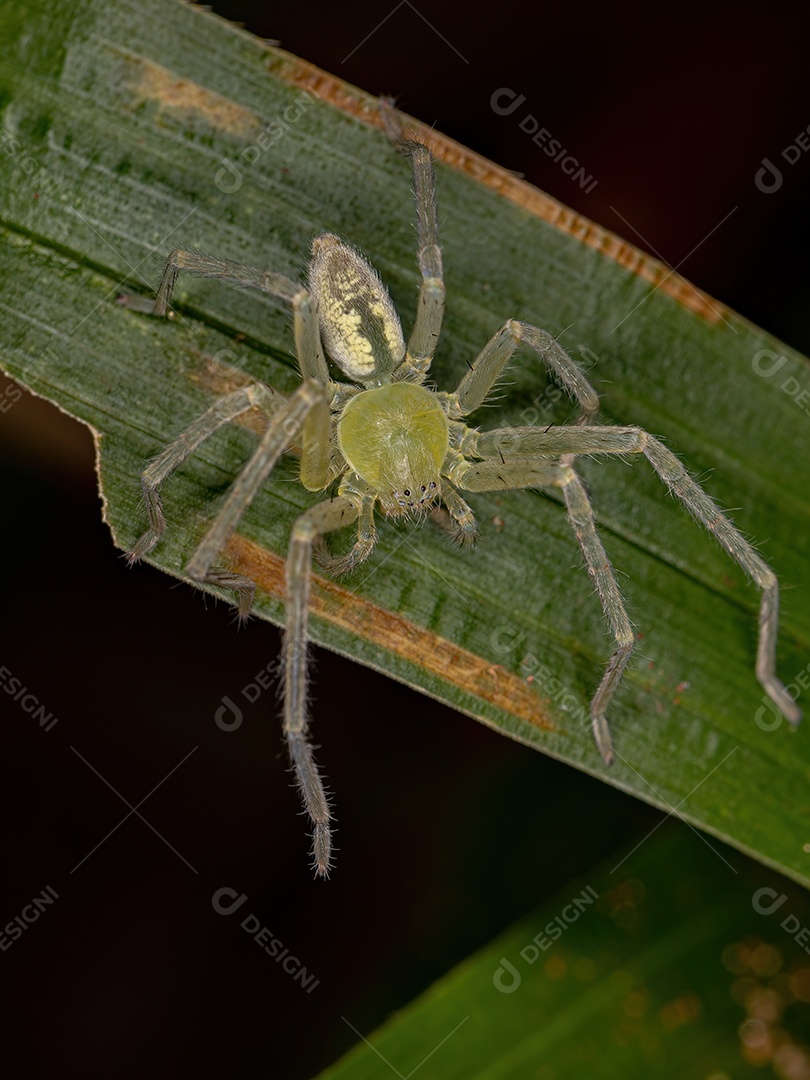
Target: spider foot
column 338, row 566
column 143, row 305
column 243, row 586
column 601, row 733
column 157, row 523
column 462, row 530
column 465, row 535
column 142, row 548
column 322, row 850
column 784, row 702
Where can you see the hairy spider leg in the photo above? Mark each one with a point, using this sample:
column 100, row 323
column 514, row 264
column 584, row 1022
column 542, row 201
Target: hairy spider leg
column 324, row 517
column 306, row 412
column 223, row 411
column 430, row 308
column 529, row 471
column 309, row 351
column 354, row 488
column 476, row 385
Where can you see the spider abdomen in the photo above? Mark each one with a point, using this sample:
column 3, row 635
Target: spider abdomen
column 396, row 438
column 359, row 325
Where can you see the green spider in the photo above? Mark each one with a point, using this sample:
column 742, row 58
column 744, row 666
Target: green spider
column 390, row 440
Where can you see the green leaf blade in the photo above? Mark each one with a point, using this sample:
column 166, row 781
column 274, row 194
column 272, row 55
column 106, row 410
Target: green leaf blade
column 121, row 124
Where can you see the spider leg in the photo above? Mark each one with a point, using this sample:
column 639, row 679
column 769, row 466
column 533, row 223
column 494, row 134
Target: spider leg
column 315, row 461
column 305, row 411
column 550, row 442
column 580, row 514
column 339, row 565
column 496, row 354
column 631, row 440
column 307, row 338
column 702, row 507
column 529, row 472
column 322, row 518
column 430, row 310
column 466, row 529
column 706, row 511
column 221, row 412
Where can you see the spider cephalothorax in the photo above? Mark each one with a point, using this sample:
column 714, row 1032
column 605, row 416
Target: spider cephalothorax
column 384, row 438
column 395, row 438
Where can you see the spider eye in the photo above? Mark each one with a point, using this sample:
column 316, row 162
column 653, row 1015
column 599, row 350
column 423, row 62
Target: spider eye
column 432, row 485
column 423, row 488
column 406, row 493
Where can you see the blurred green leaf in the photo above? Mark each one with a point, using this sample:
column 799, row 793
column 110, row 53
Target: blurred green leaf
column 667, row 962
column 119, row 124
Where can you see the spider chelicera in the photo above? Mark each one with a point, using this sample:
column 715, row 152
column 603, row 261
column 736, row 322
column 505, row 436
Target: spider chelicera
column 388, row 439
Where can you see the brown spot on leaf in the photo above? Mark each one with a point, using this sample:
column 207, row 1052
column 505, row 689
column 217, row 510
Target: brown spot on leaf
column 151, row 82
column 341, row 607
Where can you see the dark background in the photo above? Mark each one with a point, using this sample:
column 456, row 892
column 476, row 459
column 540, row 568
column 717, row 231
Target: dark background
column 447, row 831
